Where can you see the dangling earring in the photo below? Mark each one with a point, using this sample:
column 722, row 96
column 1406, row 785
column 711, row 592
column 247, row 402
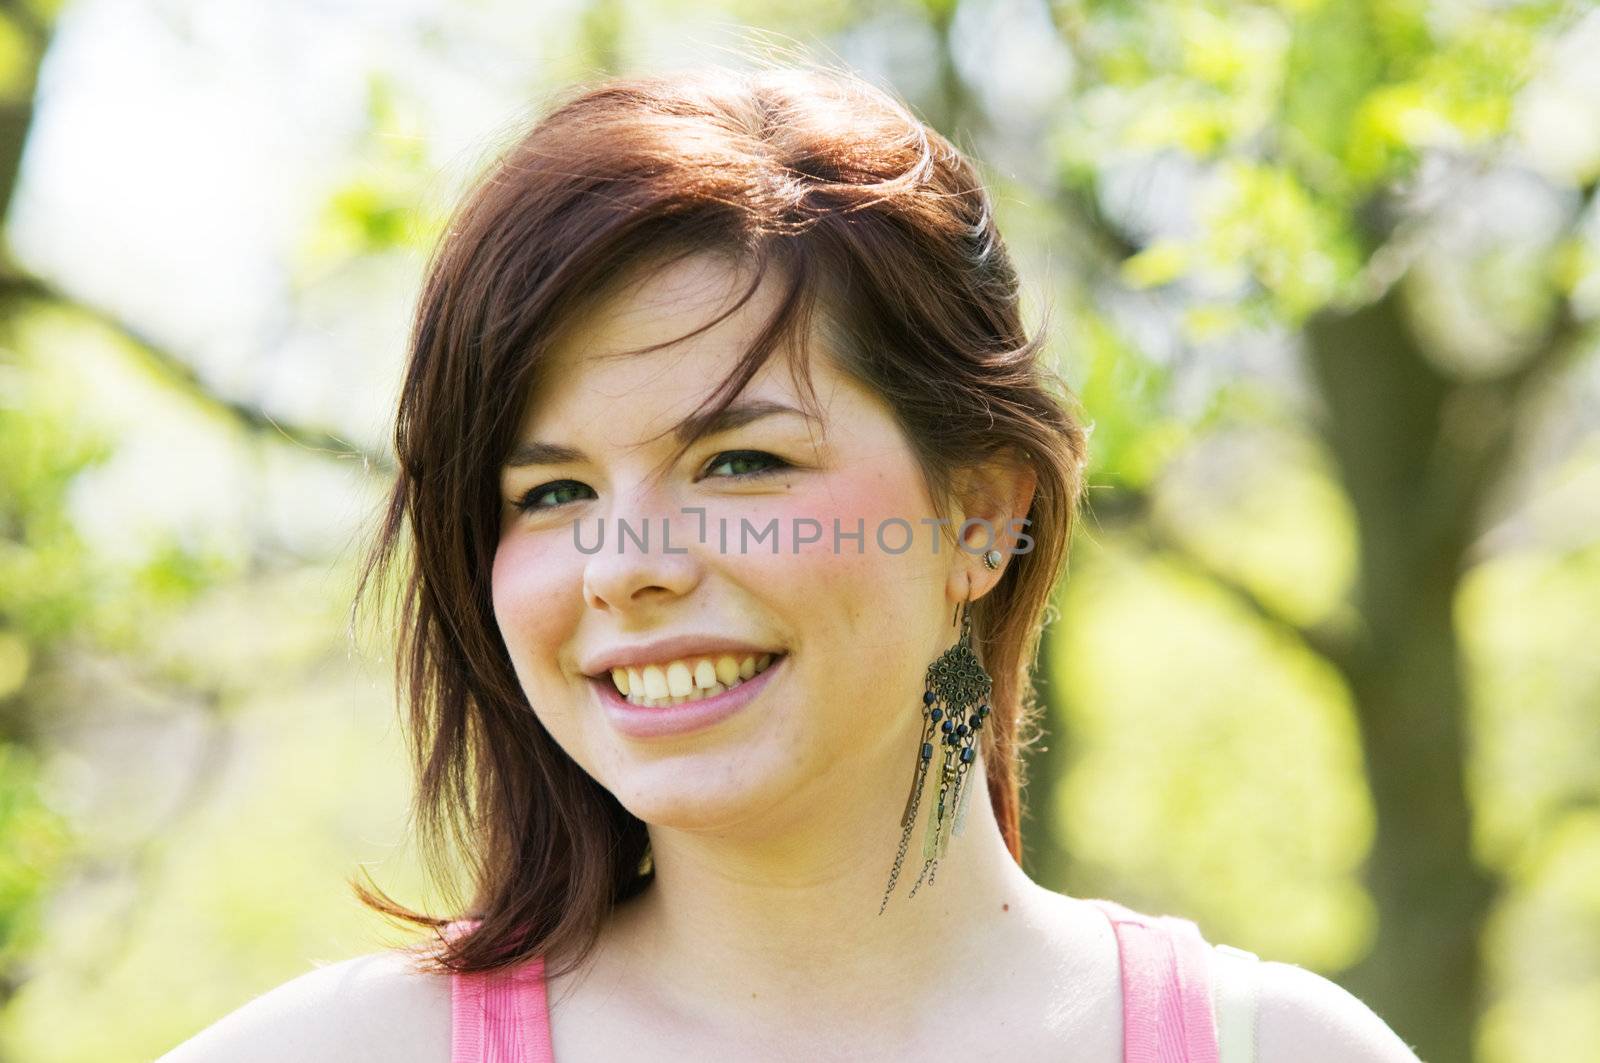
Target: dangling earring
column 954, row 706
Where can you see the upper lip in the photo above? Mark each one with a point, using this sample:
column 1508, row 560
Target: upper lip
column 669, row 649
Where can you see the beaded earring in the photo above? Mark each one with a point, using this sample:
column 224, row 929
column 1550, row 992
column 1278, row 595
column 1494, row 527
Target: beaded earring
column 955, row 704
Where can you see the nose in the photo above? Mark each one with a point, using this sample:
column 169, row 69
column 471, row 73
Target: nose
column 642, row 562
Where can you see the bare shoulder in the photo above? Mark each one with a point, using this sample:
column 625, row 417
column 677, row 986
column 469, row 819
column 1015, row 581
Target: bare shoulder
column 373, row 1007
column 1303, row 1017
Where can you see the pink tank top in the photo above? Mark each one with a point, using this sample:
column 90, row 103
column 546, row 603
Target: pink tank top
column 504, row 1017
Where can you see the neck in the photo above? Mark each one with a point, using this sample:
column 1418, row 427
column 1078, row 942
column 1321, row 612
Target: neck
column 758, row 926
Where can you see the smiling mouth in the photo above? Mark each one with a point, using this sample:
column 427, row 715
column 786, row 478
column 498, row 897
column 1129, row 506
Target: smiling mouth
column 687, row 679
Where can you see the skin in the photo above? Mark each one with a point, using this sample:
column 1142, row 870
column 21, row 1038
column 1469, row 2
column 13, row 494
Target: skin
column 773, row 830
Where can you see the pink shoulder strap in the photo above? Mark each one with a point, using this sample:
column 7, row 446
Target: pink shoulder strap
column 1166, row 992
column 499, row 1016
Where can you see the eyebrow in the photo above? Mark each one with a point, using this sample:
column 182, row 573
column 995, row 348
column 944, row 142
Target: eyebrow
column 737, row 414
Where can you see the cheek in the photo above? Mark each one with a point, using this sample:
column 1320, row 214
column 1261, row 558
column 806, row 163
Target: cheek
column 894, row 546
column 526, row 582
column 865, row 589
column 871, row 610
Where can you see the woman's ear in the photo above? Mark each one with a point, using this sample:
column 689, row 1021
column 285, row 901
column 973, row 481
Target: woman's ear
column 995, row 497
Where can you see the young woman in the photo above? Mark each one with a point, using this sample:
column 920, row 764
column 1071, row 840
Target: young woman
column 732, row 493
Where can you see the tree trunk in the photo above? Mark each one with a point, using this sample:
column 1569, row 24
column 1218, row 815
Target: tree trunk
column 1416, row 491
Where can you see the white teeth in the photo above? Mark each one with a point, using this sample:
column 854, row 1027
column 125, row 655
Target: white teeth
column 689, row 679
column 705, row 675
column 709, row 692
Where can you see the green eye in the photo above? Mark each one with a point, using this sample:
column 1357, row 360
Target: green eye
column 770, row 462
column 533, row 499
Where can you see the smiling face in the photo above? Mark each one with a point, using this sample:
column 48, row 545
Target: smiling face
column 832, row 728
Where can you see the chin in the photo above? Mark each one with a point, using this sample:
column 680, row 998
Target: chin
column 705, row 792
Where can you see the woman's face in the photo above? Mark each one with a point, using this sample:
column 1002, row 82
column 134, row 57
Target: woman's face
column 851, row 626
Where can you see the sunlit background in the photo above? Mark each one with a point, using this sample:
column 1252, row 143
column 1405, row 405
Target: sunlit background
column 1326, row 276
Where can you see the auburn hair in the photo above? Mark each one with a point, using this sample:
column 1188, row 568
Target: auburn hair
column 880, row 230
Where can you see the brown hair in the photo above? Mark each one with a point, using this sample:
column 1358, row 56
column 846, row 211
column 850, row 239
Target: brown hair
column 879, row 227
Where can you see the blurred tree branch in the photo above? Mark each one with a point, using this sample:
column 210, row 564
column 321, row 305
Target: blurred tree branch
column 1129, row 513
column 175, row 371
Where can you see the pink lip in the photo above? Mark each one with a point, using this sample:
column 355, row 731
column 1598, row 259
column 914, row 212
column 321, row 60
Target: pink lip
column 639, row 721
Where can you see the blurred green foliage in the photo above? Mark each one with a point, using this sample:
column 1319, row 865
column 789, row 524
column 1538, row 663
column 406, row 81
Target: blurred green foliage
column 45, row 587
column 35, row 842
